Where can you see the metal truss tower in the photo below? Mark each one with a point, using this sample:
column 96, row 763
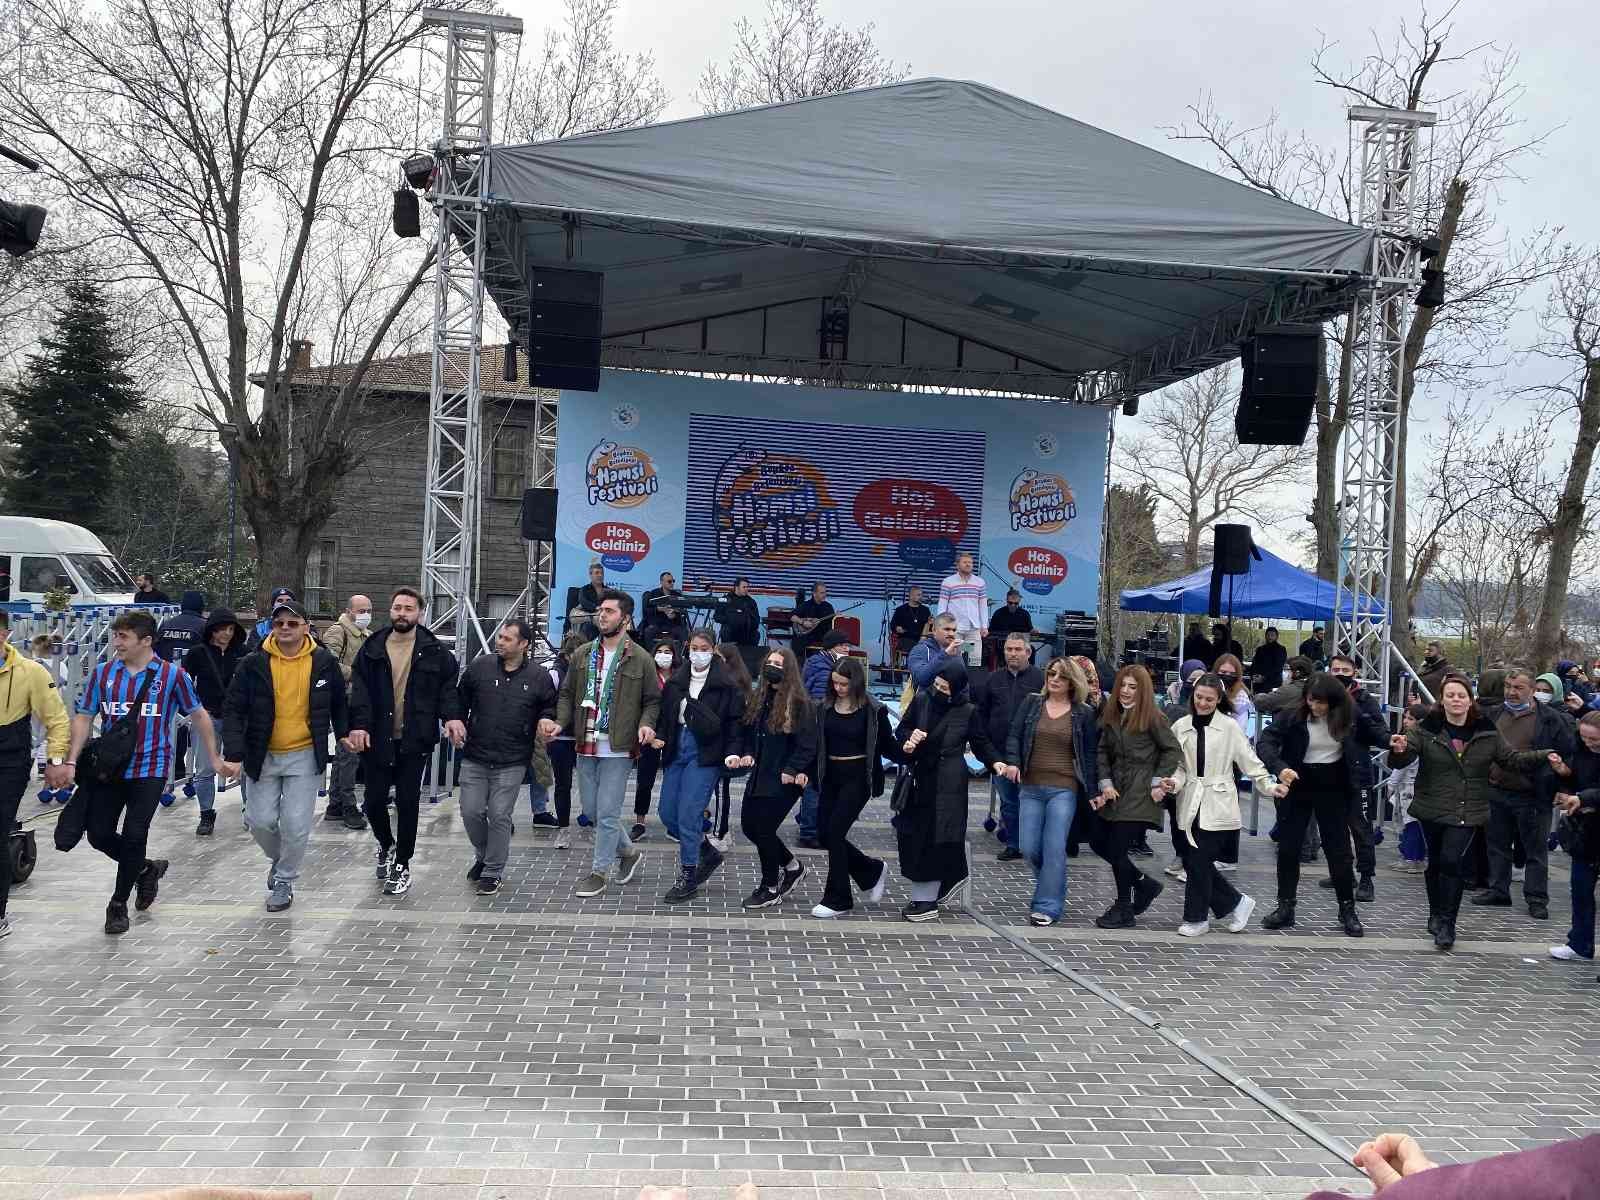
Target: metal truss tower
column 460, row 193
column 1392, row 157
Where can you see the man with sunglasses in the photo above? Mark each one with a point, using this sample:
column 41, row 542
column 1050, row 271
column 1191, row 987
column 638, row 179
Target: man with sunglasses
column 286, row 697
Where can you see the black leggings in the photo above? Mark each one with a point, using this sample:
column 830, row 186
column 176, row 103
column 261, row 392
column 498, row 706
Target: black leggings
column 1111, row 840
column 760, row 818
column 647, row 765
column 1321, row 793
column 563, row 760
column 404, row 772
column 134, row 802
column 844, row 795
column 1450, row 851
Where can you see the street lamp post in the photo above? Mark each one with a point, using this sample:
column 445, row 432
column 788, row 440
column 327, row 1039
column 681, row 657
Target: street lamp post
column 230, row 443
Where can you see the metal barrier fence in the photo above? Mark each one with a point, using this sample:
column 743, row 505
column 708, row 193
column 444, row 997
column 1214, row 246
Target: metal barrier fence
column 80, row 639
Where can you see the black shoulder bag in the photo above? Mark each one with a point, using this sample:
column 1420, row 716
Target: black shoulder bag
column 101, row 760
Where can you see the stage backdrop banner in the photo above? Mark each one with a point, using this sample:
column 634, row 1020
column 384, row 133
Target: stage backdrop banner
column 868, row 491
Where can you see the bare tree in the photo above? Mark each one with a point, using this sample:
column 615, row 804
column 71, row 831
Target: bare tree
column 1478, row 144
column 580, row 82
column 1188, row 456
column 1572, row 322
column 794, row 54
column 225, row 151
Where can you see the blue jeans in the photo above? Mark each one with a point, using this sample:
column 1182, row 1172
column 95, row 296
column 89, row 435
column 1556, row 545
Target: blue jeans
column 538, row 797
column 806, row 819
column 1044, row 816
column 1010, row 797
column 685, row 791
column 1581, row 936
column 204, row 777
column 601, row 782
column 281, row 805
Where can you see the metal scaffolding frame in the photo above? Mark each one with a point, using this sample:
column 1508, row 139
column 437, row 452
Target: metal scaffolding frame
column 1392, row 154
column 459, row 191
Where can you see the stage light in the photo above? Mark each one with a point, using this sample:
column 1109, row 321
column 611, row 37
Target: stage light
column 407, row 217
column 1130, row 406
column 1428, row 247
column 418, row 170
column 1431, row 294
column 508, row 367
column 20, row 227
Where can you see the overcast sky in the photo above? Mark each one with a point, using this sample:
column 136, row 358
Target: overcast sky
column 1134, row 67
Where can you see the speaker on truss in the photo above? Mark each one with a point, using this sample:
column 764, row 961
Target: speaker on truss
column 539, row 514
column 1280, row 385
column 407, row 215
column 564, row 315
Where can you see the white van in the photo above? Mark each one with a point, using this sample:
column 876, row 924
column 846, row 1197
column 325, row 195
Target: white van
column 37, row 555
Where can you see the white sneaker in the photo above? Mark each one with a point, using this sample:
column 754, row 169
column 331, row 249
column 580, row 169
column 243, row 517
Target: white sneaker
column 1175, row 869
column 1411, row 866
column 1195, row 928
column 1565, row 953
column 563, row 838
column 878, row 890
column 1240, row 916
column 722, row 844
column 824, row 912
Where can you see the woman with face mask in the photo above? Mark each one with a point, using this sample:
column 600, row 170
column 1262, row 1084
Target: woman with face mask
column 853, row 739
column 667, row 660
column 700, row 733
column 930, row 820
column 1578, row 800
column 1317, row 752
column 1455, row 746
column 1214, row 747
column 780, row 747
column 1242, row 708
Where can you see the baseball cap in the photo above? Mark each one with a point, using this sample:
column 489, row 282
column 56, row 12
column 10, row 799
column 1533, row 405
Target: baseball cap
column 835, row 637
column 290, row 607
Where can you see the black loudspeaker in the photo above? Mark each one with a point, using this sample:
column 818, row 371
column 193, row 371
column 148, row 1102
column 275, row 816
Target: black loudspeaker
column 1232, row 548
column 1280, row 385
column 564, row 314
column 407, row 214
column 539, row 515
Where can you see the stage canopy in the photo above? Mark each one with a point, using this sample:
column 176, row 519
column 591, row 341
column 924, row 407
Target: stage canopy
column 1272, row 589
column 972, row 239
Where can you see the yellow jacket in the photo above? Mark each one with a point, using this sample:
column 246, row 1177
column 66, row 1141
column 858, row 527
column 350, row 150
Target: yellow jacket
column 28, row 690
column 291, row 696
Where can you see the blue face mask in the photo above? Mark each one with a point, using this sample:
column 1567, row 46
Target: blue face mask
column 1522, row 707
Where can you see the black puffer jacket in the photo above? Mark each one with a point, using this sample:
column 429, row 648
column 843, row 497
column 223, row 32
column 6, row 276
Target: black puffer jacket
column 503, row 709
column 252, row 707
column 179, row 634
column 1001, row 695
column 778, row 753
column 1584, row 783
column 431, row 696
column 714, row 716
column 212, row 669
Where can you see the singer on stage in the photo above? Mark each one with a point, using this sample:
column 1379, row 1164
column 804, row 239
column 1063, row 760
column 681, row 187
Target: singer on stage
column 964, row 596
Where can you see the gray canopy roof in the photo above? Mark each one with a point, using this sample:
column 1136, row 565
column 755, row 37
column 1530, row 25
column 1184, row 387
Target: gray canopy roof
column 976, row 240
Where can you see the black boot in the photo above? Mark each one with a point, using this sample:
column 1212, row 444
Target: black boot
column 334, row 811
column 1365, row 891
column 1348, row 919
column 208, row 824
column 1445, row 935
column 686, row 887
column 1118, row 916
column 1281, row 917
column 1433, row 923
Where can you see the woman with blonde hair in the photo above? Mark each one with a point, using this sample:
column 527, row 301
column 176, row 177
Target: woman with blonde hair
column 1137, row 751
column 1052, row 751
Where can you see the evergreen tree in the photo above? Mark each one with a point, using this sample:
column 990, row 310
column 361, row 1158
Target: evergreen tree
column 69, row 415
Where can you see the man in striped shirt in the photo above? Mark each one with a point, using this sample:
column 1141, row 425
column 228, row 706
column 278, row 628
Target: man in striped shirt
column 964, row 596
column 109, row 692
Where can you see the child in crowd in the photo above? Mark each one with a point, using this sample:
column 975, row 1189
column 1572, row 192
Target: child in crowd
column 1413, row 847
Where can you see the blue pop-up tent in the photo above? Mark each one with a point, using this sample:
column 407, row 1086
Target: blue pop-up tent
column 1272, row 588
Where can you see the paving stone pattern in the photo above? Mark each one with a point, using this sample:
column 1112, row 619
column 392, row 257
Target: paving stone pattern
column 532, row 1044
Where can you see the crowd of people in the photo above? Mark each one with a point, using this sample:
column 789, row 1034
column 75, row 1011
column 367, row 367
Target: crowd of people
column 284, row 707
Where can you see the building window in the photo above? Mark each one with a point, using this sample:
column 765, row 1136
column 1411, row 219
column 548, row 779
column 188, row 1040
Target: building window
column 508, row 461
column 320, row 564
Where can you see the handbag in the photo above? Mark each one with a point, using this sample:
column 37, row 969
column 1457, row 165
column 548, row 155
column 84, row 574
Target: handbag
column 74, row 819
column 105, row 758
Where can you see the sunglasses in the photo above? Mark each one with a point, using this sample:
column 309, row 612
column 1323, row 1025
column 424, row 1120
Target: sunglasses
column 289, row 624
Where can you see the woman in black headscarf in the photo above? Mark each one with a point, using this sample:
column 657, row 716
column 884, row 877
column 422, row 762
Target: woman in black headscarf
column 930, row 806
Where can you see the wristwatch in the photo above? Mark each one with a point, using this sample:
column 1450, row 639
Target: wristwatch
column 61, row 762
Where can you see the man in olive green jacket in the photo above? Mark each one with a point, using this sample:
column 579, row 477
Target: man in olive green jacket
column 344, row 639
column 609, row 702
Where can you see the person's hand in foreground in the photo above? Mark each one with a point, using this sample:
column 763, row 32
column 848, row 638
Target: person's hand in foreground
column 1391, row 1157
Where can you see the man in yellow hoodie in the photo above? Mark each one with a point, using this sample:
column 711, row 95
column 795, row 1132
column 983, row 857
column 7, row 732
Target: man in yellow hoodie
column 27, row 690
column 285, row 700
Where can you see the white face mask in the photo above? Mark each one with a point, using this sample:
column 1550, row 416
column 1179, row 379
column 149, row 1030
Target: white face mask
column 362, row 620
column 700, row 659
column 1543, row 697
column 664, row 659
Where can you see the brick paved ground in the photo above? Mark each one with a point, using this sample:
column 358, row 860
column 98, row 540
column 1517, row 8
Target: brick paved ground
column 534, row 1045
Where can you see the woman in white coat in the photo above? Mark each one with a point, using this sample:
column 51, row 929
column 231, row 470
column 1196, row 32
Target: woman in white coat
column 1208, row 804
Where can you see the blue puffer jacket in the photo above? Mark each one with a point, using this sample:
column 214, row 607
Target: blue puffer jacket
column 814, row 675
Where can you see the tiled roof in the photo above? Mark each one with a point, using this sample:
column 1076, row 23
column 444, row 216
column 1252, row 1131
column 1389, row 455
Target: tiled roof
column 414, row 373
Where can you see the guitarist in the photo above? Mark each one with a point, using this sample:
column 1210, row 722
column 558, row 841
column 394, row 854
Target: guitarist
column 813, row 619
